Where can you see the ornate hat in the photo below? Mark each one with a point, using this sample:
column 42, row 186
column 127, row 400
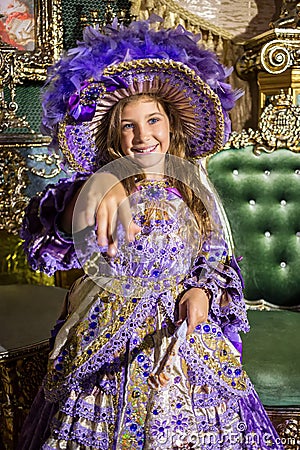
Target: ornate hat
column 123, row 61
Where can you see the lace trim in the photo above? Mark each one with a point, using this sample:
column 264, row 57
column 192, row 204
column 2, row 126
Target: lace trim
column 81, row 408
column 75, row 431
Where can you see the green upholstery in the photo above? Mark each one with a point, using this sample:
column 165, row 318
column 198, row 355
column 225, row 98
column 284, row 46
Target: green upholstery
column 261, row 198
column 271, row 356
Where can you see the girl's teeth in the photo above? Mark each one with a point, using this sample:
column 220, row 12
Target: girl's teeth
column 147, row 150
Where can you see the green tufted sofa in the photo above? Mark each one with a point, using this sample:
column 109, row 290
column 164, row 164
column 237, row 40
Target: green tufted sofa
column 261, row 197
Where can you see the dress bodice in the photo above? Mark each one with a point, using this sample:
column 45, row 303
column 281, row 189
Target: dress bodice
column 162, row 253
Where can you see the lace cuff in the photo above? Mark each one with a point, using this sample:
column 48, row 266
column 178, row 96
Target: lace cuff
column 47, row 248
column 216, row 272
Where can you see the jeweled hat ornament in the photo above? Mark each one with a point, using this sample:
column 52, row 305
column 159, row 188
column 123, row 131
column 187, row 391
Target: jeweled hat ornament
column 123, row 61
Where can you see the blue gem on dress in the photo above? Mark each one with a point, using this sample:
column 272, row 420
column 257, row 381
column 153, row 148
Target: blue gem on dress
column 206, row 328
column 156, row 273
column 141, row 358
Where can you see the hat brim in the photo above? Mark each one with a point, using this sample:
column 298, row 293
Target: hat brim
column 198, row 106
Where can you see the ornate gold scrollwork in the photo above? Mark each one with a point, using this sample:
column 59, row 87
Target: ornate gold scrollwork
column 49, row 160
column 277, row 56
column 10, row 69
column 289, row 15
column 289, row 432
column 279, row 127
column 95, row 19
column 21, row 373
column 48, row 41
column 274, row 52
column 13, row 181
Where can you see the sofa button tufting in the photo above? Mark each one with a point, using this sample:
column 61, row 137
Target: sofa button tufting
column 267, row 234
column 252, row 202
column 235, row 172
column 283, row 264
column 283, row 202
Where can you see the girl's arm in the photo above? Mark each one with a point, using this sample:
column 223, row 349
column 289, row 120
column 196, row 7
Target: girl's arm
column 218, row 276
column 49, row 221
column 101, row 202
column 194, row 306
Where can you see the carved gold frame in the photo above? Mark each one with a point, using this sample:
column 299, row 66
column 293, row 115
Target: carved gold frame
column 48, row 41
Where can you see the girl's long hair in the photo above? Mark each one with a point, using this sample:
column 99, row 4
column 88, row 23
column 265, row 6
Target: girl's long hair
column 189, row 184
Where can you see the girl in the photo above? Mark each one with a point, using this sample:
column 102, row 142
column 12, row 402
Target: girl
column 147, row 351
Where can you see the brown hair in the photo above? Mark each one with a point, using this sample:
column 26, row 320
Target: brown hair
column 188, row 186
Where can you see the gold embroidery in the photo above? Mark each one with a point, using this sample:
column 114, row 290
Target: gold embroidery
column 220, row 359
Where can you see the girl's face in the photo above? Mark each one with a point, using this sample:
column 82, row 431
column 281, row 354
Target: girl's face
column 145, row 133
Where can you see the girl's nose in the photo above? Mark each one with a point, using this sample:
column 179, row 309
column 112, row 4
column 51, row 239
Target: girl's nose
column 141, row 133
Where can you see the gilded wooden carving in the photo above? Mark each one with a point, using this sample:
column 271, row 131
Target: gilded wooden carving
column 278, row 127
column 34, row 29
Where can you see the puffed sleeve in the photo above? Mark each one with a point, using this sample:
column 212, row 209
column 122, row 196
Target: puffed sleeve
column 219, row 273
column 47, row 248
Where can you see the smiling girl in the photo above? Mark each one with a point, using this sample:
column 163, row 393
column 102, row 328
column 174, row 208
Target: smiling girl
column 147, row 350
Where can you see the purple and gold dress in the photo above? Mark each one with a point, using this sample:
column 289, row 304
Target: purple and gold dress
column 119, row 375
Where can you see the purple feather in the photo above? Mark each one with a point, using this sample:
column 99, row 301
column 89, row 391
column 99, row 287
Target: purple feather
column 117, row 44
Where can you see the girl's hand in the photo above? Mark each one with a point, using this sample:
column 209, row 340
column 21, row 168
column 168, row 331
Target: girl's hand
column 102, row 200
column 194, row 306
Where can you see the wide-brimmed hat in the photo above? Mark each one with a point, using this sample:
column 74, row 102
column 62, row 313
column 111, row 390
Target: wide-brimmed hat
column 119, row 62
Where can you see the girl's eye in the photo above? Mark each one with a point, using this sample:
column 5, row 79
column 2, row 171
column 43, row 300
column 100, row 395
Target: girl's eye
column 127, row 126
column 153, row 120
